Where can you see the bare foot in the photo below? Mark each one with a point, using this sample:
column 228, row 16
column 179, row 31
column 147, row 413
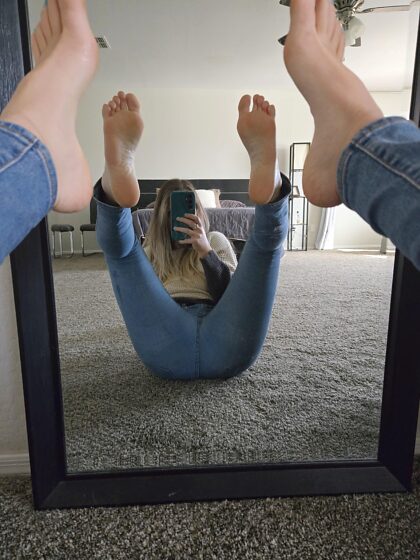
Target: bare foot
column 339, row 102
column 257, row 129
column 123, row 127
column 46, row 100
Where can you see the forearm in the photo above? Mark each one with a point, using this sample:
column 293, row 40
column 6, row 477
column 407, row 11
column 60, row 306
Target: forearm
column 217, row 275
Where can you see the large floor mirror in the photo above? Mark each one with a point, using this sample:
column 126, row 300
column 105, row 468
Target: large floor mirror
column 331, row 403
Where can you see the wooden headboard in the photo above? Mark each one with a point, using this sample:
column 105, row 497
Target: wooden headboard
column 231, row 189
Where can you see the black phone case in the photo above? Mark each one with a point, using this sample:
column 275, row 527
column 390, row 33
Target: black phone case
column 182, row 202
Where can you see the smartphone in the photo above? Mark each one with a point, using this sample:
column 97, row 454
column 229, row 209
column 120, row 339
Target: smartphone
column 182, row 202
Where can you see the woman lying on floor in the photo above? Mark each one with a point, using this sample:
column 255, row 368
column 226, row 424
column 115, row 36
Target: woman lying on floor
column 190, row 309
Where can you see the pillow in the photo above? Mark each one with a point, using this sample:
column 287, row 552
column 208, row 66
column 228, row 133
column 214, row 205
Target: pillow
column 207, row 197
column 232, row 204
column 217, row 197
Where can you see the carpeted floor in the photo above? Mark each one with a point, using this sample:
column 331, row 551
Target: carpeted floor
column 348, row 527
column 314, row 393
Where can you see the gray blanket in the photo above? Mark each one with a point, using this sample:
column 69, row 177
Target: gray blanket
column 234, row 223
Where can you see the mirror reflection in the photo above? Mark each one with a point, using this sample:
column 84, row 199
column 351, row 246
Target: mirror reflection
column 198, row 351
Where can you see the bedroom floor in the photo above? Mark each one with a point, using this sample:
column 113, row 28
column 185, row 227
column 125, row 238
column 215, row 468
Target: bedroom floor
column 314, row 393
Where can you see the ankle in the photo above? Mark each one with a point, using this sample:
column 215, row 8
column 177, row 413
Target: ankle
column 278, row 183
column 277, row 194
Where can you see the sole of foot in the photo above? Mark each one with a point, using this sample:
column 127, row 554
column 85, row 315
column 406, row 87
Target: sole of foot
column 257, row 130
column 123, row 127
column 46, row 100
column 339, row 101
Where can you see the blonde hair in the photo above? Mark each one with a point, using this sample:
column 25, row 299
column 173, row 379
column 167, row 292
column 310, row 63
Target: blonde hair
column 164, row 259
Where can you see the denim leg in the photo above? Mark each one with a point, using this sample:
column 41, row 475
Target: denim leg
column 28, row 184
column 379, row 178
column 233, row 333
column 163, row 334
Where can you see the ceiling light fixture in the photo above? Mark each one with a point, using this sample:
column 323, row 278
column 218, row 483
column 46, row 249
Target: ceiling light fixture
column 353, row 31
column 353, row 27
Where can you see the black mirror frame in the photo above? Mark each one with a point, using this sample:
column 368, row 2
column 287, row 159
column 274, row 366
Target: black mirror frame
column 53, row 487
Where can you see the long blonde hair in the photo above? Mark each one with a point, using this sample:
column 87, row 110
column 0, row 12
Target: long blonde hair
column 165, row 260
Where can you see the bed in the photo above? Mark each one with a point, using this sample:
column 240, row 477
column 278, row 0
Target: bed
column 234, row 222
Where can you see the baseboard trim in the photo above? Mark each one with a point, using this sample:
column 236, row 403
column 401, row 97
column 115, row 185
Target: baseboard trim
column 15, row 464
column 19, row 464
column 356, row 248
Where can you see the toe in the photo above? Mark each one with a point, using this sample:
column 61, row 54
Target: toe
column 123, row 101
column 302, row 14
column 71, row 12
column 45, row 24
column 106, row 111
column 325, row 18
column 339, row 42
column 272, row 111
column 117, row 103
column 255, row 102
column 36, row 51
column 132, row 102
column 333, row 23
column 54, row 17
column 244, row 104
column 265, row 105
column 260, row 101
column 40, row 39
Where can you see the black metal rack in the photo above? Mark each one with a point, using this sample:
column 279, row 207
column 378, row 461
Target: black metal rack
column 297, row 238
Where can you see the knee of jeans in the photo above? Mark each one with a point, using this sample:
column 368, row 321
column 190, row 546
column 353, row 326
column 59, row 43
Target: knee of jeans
column 174, row 373
column 160, row 371
column 238, row 368
column 270, row 241
column 113, row 247
column 235, row 363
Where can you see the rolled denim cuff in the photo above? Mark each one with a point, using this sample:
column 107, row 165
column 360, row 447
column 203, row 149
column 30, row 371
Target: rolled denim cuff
column 21, row 142
column 283, row 193
column 28, row 184
column 379, row 178
column 376, row 141
column 100, row 199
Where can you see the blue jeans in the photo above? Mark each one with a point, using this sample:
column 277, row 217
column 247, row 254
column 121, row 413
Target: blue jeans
column 198, row 341
column 28, row 184
column 379, row 178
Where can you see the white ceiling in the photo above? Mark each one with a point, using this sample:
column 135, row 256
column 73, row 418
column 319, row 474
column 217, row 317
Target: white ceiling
column 232, row 44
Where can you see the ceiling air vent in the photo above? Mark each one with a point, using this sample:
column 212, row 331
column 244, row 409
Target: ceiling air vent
column 103, row 42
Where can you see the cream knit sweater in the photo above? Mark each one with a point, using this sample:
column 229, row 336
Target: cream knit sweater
column 195, row 285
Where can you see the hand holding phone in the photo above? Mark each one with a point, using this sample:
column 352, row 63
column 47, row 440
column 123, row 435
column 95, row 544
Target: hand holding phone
column 196, row 236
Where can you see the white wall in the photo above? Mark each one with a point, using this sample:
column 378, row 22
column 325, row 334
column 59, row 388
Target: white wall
column 192, row 134
column 188, row 134
column 13, row 443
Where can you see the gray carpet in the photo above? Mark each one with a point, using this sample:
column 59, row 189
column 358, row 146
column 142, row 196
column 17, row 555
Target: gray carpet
column 314, row 393
column 349, row 527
